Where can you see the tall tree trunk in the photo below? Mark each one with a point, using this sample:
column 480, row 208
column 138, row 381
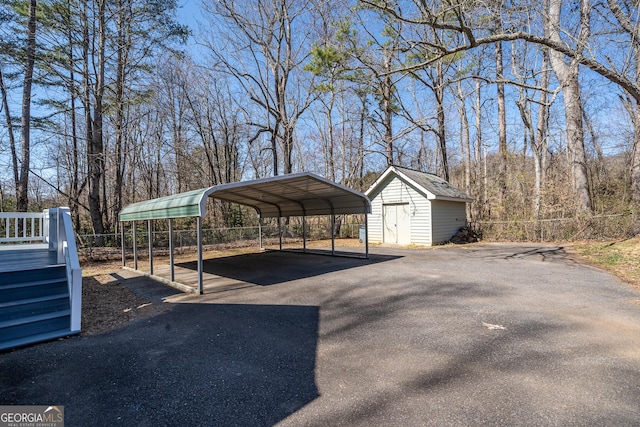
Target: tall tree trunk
column 23, row 184
column 480, row 197
column 441, row 131
column 362, row 119
column 465, row 145
column 502, row 126
column 539, row 141
column 568, row 77
column 287, row 141
column 74, row 190
column 331, row 164
column 123, row 11
column 12, row 139
column 96, row 146
column 387, row 111
column 635, row 157
column 632, row 28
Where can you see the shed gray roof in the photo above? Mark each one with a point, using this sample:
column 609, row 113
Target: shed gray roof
column 284, row 195
column 432, row 186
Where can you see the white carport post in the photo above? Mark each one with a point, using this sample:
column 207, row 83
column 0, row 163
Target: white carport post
column 200, row 280
column 150, row 230
column 171, row 245
column 135, row 245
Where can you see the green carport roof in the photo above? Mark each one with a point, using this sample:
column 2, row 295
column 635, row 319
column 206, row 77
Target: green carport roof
column 302, row 194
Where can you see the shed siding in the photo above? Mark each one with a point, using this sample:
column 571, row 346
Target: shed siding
column 394, row 191
column 448, row 217
column 375, row 221
column 420, row 220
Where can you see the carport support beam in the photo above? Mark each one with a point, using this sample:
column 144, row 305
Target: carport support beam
column 150, row 230
column 260, row 232
column 171, row 247
column 280, row 231
column 200, row 281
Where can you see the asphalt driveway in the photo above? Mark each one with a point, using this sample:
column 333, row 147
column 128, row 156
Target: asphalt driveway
column 487, row 334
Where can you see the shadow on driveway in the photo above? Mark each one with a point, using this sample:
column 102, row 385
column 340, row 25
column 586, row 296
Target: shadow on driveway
column 222, row 364
column 269, row 268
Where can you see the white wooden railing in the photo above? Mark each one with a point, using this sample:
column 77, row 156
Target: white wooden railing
column 62, row 239
column 18, row 227
column 52, row 226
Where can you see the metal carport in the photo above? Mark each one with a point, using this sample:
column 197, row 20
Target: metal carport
column 302, row 194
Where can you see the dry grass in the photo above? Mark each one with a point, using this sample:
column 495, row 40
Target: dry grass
column 620, row 257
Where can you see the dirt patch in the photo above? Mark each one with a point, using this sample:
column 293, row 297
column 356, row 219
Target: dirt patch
column 108, row 304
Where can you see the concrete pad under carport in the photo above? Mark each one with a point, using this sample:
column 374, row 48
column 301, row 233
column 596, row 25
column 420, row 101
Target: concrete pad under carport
column 263, row 268
column 415, row 340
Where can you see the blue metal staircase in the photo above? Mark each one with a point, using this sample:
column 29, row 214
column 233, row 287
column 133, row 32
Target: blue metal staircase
column 34, row 306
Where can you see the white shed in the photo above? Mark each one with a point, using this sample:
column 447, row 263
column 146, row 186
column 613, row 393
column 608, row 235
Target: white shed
column 412, row 207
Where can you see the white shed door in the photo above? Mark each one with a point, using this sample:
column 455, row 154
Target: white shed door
column 397, row 228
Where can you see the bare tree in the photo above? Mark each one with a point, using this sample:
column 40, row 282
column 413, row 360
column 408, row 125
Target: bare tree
column 22, row 202
column 263, row 45
column 10, row 131
column 626, row 15
column 538, row 132
column 567, row 74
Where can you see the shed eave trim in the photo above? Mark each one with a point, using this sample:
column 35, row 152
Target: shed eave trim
column 449, row 199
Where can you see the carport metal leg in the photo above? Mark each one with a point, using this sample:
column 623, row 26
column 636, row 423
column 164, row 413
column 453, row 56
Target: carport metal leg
column 280, row 231
column 150, row 230
column 200, row 281
column 135, row 245
column 304, row 234
column 124, row 256
column 260, row 232
column 366, row 235
column 333, row 234
column 171, row 246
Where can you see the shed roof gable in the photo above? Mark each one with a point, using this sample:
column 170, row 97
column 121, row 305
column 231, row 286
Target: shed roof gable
column 431, row 186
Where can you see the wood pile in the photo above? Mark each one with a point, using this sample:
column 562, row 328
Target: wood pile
column 465, row 235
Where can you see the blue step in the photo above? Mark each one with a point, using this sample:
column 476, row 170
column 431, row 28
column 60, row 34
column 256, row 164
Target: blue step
column 36, row 283
column 34, row 325
column 32, row 339
column 33, row 275
column 34, row 306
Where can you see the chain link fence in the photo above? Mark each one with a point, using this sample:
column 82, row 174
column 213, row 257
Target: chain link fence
column 601, row 227
column 102, row 247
